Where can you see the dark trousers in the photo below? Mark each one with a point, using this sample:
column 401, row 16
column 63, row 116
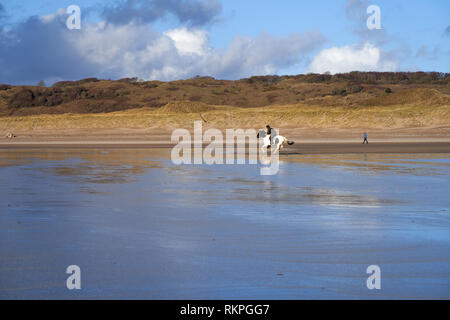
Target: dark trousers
column 365, row 141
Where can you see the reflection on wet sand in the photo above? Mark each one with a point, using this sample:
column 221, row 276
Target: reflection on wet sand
column 315, row 196
column 411, row 164
column 141, row 227
column 94, row 166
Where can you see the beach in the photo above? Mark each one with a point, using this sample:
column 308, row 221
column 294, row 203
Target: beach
column 206, row 152
column 140, row 227
column 307, row 141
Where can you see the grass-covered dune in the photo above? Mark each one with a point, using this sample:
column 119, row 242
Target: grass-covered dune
column 286, row 116
column 354, row 100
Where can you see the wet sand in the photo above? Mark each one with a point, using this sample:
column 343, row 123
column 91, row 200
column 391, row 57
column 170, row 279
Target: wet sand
column 140, row 227
column 298, row 148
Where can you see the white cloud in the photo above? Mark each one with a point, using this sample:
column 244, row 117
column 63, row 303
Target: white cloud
column 49, row 18
column 364, row 57
column 136, row 50
column 106, row 50
column 189, row 41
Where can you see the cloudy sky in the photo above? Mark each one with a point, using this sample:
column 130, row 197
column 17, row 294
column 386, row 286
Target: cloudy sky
column 227, row 39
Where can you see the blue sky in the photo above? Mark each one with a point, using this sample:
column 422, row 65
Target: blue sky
column 413, row 37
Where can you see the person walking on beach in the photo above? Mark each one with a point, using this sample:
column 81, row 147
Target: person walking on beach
column 365, row 138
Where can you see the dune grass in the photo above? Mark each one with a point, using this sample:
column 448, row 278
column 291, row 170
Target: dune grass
column 287, row 116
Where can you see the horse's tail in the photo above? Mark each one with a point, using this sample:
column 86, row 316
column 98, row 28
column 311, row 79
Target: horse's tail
column 290, row 143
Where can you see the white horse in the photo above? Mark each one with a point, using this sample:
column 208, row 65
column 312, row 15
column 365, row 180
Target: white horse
column 277, row 140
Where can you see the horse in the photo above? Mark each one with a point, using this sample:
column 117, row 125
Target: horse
column 278, row 141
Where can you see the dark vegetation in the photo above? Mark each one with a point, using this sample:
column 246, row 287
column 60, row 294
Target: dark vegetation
column 93, row 95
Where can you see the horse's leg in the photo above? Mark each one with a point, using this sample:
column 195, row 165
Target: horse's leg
column 277, row 148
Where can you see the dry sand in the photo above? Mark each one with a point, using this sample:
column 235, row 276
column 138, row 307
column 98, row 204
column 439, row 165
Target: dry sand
column 308, row 141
